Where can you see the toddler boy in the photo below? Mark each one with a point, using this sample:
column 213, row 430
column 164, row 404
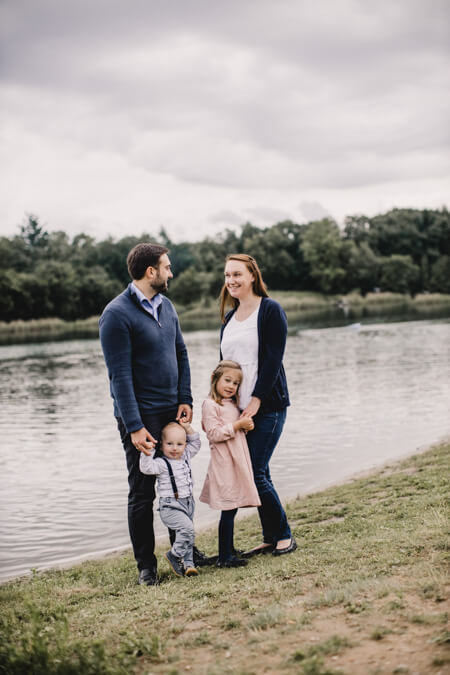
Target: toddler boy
column 179, row 443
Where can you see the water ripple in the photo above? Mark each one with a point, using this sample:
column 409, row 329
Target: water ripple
column 361, row 396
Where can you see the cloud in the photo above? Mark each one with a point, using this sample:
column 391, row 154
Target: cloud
column 313, row 211
column 267, row 215
column 229, row 101
column 226, row 217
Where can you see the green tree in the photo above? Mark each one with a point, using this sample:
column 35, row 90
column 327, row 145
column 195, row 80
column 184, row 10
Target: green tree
column 278, row 253
column 399, row 274
column 94, row 289
column 14, row 254
column 440, row 275
column 58, row 247
column 83, row 251
column 46, row 274
column 399, row 231
column 191, row 286
column 357, row 229
column 9, row 291
column 210, row 255
column 33, row 234
column 112, row 256
column 362, row 269
column 323, row 249
column 60, row 279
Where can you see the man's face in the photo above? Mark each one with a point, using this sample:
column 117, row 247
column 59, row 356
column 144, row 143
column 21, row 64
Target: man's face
column 162, row 274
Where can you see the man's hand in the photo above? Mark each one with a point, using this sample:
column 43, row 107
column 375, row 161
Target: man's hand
column 143, row 441
column 185, row 412
column 252, row 407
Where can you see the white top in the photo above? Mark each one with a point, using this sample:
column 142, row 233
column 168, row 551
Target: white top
column 240, row 343
column 181, row 469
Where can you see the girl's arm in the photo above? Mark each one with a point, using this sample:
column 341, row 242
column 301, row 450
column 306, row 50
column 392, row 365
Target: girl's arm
column 215, row 428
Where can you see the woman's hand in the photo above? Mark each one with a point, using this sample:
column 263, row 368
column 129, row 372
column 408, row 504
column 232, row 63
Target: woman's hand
column 252, row 408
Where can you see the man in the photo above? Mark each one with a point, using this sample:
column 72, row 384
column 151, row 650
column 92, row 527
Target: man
column 149, row 374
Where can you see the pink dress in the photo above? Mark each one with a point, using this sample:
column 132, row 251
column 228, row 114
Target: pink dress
column 229, row 482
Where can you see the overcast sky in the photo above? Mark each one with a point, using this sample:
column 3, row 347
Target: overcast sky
column 119, row 117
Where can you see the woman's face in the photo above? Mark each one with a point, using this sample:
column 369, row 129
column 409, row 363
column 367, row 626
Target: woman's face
column 238, row 279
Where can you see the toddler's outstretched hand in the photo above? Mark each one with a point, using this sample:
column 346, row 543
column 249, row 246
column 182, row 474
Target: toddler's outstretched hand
column 186, row 425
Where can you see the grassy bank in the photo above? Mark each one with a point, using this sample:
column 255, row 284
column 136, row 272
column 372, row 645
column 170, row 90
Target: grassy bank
column 302, row 308
column 40, row 330
column 366, row 593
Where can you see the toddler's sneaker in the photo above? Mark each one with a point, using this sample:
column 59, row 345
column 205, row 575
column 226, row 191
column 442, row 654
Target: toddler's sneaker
column 232, row 562
column 190, row 571
column 175, row 563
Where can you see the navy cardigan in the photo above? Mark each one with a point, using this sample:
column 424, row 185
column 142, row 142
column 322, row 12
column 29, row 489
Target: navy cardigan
column 271, row 385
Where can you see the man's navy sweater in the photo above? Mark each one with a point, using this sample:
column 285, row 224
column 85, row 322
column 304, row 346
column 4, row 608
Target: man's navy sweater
column 147, row 360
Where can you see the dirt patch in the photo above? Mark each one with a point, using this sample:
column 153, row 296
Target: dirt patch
column 402, row 632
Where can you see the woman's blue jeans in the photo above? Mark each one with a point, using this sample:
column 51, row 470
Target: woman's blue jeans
column 261, row 444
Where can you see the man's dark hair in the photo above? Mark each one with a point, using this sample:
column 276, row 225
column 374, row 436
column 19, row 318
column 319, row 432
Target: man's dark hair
column 142, row 256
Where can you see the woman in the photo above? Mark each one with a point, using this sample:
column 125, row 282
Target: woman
column 254, row 334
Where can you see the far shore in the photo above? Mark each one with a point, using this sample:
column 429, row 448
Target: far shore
column 303, row 309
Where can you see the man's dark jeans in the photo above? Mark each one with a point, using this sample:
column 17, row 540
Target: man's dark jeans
column 141, row 492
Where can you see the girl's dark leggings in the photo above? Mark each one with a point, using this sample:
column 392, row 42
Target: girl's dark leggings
column 226, row 534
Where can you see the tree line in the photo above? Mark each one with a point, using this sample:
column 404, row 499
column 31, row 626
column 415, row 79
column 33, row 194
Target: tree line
column 48, row 274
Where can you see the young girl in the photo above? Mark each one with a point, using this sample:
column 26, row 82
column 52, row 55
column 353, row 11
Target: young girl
column 229, row 481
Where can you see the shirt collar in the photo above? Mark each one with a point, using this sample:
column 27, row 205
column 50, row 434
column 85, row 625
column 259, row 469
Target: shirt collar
column 154, row 302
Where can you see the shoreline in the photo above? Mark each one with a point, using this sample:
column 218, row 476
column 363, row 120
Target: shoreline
column 367, row 591
column 243, row 514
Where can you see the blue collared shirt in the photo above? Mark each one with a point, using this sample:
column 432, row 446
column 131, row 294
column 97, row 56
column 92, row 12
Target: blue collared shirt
column 150, row 306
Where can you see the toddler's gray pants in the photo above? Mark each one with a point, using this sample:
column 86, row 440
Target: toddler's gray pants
column 177, row 515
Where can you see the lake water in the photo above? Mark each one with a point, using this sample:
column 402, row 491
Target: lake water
column 361, row 395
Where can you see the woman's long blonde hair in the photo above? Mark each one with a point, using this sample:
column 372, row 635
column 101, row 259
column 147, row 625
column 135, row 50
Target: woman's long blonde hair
column 217, row 374
column 259, row 287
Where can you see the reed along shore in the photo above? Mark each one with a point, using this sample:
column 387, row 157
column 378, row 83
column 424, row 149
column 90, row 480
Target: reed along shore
column 303, row 309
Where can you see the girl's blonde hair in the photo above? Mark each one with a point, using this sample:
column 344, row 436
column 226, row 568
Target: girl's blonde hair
column 217, row 374
column 259, row 287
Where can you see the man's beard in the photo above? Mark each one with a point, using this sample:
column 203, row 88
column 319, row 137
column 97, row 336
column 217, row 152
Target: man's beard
column 160, row 286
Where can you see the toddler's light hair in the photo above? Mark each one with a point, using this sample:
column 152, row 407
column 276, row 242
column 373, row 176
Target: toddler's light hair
column 171, row 425
column 217, row 374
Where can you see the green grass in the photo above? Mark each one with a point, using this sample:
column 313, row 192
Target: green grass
column 377, row 572
column 333, row 645
column 47, row 329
